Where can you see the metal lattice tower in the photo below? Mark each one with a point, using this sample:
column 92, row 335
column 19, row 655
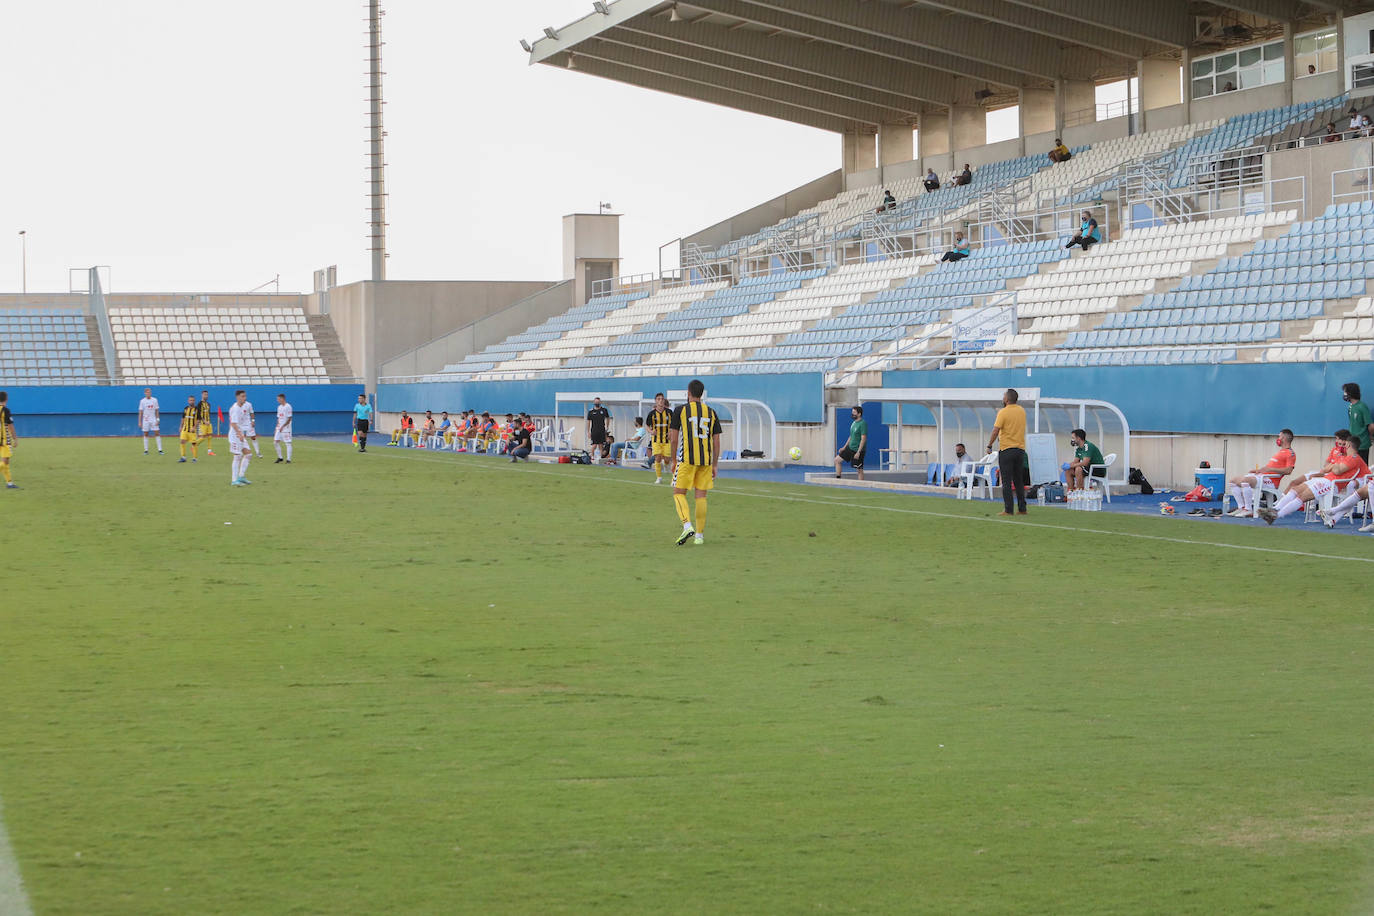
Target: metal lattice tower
column 376, row 162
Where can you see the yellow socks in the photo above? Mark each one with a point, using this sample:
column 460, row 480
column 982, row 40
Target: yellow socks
column 5, row 469
column 183, row 449
column 680, row 501
column 701, row 513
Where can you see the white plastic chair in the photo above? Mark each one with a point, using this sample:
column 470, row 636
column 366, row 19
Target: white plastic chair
column 1101, row 482
column 977, row 473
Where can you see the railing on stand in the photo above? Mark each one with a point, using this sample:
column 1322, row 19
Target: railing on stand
column 628, row 284
column 1350, row 185
column 1147, row 182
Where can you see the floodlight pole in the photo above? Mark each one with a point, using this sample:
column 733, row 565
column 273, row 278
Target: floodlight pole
column 24, row 260
column 376, row 163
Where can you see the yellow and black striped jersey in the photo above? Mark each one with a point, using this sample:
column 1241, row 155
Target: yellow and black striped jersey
column 6, row 421
column 190, row 416
column 658, row 422
column 696, row 424
column 203, row 412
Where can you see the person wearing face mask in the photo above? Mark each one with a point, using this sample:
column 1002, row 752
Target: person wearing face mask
column 1336, row 475
column 1361, row 424
column 1279, row 466
column 1085, row 457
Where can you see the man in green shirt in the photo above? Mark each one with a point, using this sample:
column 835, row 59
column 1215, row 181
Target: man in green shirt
column 1361, row 424
column 853, row 451
column 1085, row 456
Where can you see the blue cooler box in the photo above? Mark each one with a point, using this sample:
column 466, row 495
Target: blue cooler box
column 1213, row 479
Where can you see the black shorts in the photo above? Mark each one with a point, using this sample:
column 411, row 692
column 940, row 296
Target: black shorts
column 598, row 439
column 360, row 425
column 855, row 460
column 1099, row 472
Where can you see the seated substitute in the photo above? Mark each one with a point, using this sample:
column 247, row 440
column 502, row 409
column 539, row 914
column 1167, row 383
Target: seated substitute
column 1337, row 450
column 407, row 425
column 1085, row 457
column 1060, row 153
column 959, row 250
column 521, row 444
column 1346, row 468
column 1278, row 467
column 964, row 177
column 961, row 463
column 1088, row 233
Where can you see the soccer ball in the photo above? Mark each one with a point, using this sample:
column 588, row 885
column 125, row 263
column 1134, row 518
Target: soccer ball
column 794, row 453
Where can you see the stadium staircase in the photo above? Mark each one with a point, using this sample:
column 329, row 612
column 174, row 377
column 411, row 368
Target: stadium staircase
column 332, row 353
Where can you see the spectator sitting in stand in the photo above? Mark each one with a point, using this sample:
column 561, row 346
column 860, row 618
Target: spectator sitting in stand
column 1311, row 69
column 1088, row 233
column 932, row 181
column 1332, row 135
column 959, row 250
column 1229, row 87
column 964, row 177
column 407, row 425
column 1060, row 153
column 889, row 202
column 961, row 463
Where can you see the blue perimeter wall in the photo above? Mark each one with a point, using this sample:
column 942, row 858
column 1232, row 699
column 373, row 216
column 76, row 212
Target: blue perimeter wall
column 103, row 410
column 797, row 398
column 1253, row 399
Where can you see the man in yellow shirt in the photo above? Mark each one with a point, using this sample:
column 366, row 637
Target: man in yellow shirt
column 1010, row 428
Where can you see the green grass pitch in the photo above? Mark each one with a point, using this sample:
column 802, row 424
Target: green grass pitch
column 418, row 683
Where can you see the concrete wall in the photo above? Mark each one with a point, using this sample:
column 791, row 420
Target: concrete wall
column 769, row 212
column 377, row 322
column 1320, row 86
column 1315, row 164
column 472, row 338
column 1241, row 101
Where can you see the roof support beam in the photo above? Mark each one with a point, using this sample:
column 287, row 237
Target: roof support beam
column 739, row 101
column 838, row 21
column 871, row 71
column 1277, row 10
column 1130, row 30
column 708, row 64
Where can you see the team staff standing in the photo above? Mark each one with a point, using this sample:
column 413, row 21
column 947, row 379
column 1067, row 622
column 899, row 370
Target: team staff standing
column 1361, row 424
column 1010, row 428
column 695, row 435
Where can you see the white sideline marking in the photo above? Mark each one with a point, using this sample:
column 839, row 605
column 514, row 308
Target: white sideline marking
column 833, row 502
column 13, row 900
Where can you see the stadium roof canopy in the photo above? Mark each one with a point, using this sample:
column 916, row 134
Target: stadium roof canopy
column 852, row 64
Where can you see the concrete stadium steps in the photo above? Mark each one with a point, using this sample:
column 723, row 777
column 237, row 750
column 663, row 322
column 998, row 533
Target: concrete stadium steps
column 102, row 372
column 331, row 350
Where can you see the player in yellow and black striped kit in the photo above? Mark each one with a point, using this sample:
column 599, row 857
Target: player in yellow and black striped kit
column 695, row 434
column 7, row 440
column 659, row 421
column 190, row 429
column 206, row 430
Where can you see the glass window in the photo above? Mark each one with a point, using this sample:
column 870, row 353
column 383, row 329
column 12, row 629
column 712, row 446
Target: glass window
column 1202, row 88
column 1307, row 44
column 1273, row 72
column 1202, row 67
column 1273, row 51
column 1250, row 56
column 1225, row 62
column 1326, row 42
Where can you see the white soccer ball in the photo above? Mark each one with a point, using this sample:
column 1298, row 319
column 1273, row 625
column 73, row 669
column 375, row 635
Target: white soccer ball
column 794, row 453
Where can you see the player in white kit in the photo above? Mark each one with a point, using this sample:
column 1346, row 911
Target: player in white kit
column 283, row 434
column 240, row 428
column 150, row 419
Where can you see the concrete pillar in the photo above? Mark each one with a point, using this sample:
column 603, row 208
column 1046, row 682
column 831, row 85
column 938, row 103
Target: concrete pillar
column 895, row 144
column 858, row 151
column 1340, row 53
column 968, row 126
column 1158, row 84
column 1187, row 65
column 934, row 133
column 1288, row 74
column 1079, row 96
column 1037, row 111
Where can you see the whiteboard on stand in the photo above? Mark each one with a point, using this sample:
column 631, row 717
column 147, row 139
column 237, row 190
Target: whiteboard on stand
column 1044, row 460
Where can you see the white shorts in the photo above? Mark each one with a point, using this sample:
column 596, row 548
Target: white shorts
column 151, row 427
column 1320, row 486
column 282, row 435
column 237, row 442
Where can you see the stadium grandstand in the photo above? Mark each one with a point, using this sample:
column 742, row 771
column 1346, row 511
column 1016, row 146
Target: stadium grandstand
column 1231, row 221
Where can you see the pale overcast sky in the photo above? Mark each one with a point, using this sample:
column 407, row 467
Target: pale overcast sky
column 198, row 146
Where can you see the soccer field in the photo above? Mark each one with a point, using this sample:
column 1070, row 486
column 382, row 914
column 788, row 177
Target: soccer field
column 404, row 682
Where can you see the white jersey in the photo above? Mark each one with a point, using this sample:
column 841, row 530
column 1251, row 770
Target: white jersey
column 240, row 420
column 283, row 418
column 248, row 419
column 147, row 413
